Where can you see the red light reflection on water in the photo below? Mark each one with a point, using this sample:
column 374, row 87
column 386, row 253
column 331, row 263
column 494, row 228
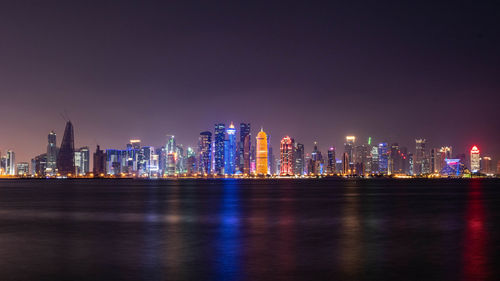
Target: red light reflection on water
column 475, row 243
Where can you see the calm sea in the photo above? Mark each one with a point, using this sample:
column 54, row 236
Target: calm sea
column 250, row 229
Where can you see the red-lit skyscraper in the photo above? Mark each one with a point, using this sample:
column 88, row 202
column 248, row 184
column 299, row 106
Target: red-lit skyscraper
column 286, row 149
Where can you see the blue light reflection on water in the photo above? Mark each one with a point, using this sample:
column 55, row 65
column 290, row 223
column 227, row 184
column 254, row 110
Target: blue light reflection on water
column 228, row 244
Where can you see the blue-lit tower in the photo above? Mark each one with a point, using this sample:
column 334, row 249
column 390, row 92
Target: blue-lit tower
column 219, row 136
column 230, row 151
column 383, row 156
column 204, row 152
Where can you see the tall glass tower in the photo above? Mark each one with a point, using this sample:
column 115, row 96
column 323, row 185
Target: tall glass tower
column 219, row 136
column 205, row 152
column 51, row 154
column 65, row 159
column 244, row 148
column 261, row 153
column 230, row 151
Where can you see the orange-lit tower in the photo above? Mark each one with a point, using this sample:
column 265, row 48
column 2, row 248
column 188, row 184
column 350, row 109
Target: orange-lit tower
column 286, row 149
column 261, row 153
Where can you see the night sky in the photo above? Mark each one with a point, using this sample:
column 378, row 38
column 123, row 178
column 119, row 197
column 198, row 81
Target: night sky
column 312, row 70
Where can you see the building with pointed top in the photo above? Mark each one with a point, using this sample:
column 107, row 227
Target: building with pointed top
column 66, row 157
column 261, row 153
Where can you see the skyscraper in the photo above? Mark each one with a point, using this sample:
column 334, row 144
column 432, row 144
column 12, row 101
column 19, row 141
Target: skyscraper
column 299, row 159
column 331, row 161
column 286, row 156
column 219, row 136
column 345, row 164
column 230, row 151
column 65, row 159
column 51, row 154
column 11, row 163
column 475, row 160
column 82, row 163
column 261, row 153
column 349, row 148
column 383, row 158
column 99, row 162
column 486, row 167
column 244, row 148
column 205, row 152
column 419, row 159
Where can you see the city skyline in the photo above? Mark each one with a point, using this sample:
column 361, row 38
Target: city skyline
column 315, row 72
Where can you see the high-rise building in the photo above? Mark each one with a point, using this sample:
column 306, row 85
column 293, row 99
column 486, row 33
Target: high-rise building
column 420, row 159
column 52, row 151
column 22, row 169
column 330, row 168
column 298, row 159
column 65, row 159
column 10, row 167
column 475, row 160
column 230, row 151
column 99, row 162
column 286, row 156
column 205, row 152
column 261, row 153
column 244, row 148
column 486, row 167
column 190, row 161
column 38, row 165
column 219, row 136
column 349, row 148
column 394, row 166
column 345, row 164
column 82, row 163
column 383, row 158
column 374, row 166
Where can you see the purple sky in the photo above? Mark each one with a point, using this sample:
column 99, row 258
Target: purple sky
column 311, row 70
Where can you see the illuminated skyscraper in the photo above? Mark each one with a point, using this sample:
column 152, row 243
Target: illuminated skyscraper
column 10, row 167
column 65, row 159
column 219, row 136
column 244, row 148
column 82, row 164
column 419, row 159
column 374, row 166
column 261, row 153
column 51, row 166
column 22, row 169
column 383, row 158
column 204, row 152
column 349, row 148
column 475, row 160
column 230, row 151
column 286, row 156
column 345, row 164
column 298, row 159
column 331, row 161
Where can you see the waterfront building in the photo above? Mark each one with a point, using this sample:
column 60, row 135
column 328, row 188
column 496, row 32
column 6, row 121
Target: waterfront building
column 475, row 159
column 52, row 152
column 230, row 151
column 99, row 162
column 219, row 136
column 286, row 156
column 66, row 156
column 22, row 169
column 330, row 167
column 394, row 166
column 244, row 148
column 383, row 156
column 349, row 149
column 299, row 160
column 486, row 167
column 204, row 152
column 453, row 167
column 420, row 162
column 39, row 165
column 116, row 160
column 375, row 160
column 346, row 164
column 261, row 153
column 82, row 161
column 171, row 158
column 10, row 166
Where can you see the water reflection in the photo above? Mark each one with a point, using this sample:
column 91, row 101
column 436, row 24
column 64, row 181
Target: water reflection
column 351, row 232
column 228, row 244
column 475, row 244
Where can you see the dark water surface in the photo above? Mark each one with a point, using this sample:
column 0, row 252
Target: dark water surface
column 250, row 230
